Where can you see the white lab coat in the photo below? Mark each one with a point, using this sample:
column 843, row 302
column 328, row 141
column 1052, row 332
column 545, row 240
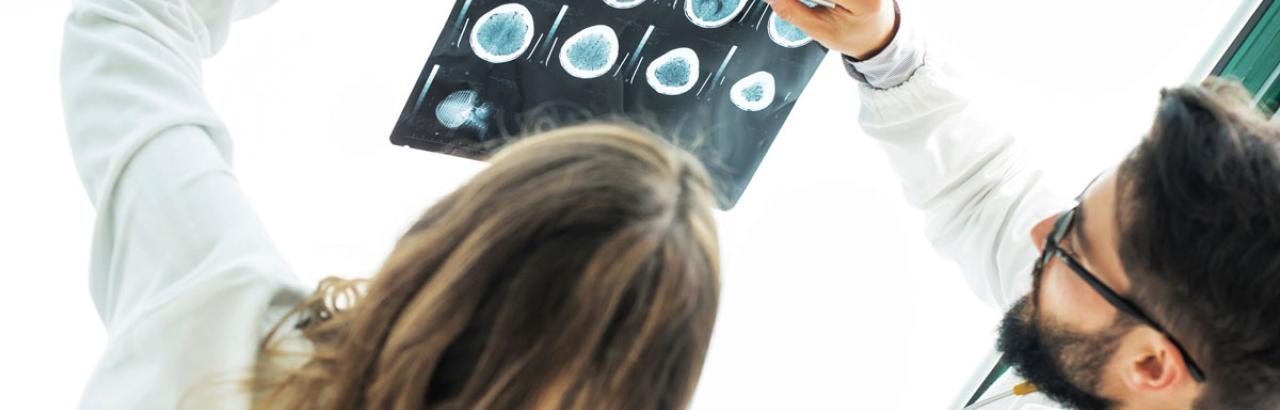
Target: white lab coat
column 187, row 282
column 972, row 180
column 182, row 273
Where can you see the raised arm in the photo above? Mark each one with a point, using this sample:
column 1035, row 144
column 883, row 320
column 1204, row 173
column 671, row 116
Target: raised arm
column 182, row 272
column 971, row 179
column 153, row 155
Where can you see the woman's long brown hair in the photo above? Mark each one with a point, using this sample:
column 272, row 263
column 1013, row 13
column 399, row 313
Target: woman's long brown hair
column 579, row 271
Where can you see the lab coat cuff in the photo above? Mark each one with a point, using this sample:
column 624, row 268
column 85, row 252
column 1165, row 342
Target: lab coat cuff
column 932, row 89
column 894, row 64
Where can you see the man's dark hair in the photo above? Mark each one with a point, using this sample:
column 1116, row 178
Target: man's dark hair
column 1199, row 212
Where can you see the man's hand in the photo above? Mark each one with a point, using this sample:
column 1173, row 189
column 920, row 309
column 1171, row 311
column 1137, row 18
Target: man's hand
column 857, row 28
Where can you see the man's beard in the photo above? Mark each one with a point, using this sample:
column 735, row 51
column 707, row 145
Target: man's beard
column 1065, row 366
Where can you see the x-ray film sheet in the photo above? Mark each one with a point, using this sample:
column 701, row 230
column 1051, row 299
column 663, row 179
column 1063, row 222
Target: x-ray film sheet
column 716, row 77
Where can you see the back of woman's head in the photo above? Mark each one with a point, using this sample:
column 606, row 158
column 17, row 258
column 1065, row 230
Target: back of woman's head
column 580, row 270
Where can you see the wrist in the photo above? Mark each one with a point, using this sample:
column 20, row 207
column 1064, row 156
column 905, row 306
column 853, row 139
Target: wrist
column 895, row 63
column 885, row 26
column 885, row 40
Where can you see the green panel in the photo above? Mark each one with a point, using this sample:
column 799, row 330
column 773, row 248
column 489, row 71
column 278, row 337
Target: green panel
column 1257, row 61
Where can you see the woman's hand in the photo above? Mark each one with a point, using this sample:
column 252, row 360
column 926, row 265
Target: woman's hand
column 857, row 28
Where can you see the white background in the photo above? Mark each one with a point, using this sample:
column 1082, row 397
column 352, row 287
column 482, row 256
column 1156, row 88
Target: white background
column 832, row 297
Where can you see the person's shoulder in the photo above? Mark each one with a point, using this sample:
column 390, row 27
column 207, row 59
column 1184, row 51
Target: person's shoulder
column 244, row 286
column 197, row 337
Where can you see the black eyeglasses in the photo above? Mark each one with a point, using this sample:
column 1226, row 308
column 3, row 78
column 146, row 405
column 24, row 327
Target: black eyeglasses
column 1053, row 248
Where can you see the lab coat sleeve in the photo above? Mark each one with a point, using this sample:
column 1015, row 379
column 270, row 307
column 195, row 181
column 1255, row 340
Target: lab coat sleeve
column 151, row 152
column 182, row 273
column 972, row 180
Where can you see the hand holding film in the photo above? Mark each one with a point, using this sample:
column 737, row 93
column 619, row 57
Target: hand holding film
column 857, row 28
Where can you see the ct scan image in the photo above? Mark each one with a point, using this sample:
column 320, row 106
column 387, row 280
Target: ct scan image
column 715, row 77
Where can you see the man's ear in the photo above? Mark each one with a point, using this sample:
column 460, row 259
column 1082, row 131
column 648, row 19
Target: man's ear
column 1152, row 363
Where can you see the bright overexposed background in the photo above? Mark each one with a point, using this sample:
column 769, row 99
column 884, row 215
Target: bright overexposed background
column 832, row 296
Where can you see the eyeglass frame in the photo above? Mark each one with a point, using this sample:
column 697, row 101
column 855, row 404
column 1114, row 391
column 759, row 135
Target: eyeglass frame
column 1052, row 248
